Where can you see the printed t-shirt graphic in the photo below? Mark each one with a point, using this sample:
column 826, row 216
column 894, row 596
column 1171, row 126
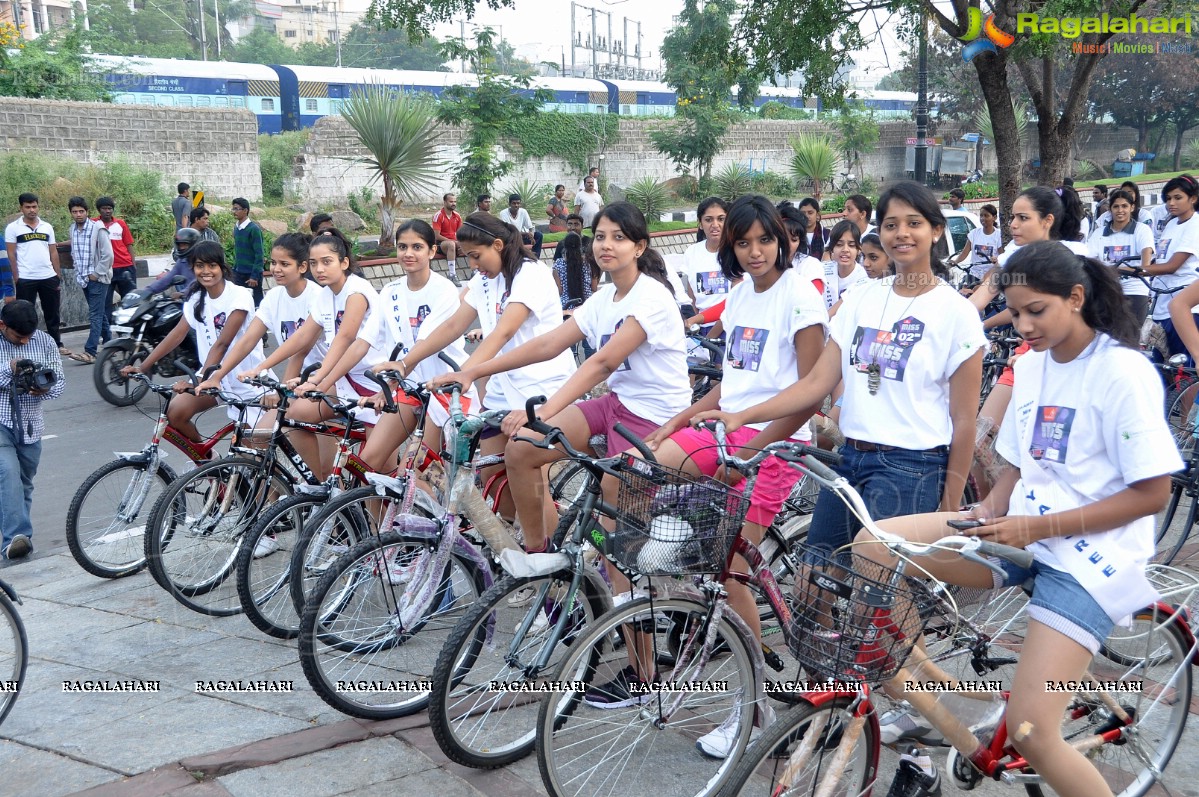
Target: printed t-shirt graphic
column 711, row 283
column 624, row 366
column 422, row 313
column 984, row 251
column 218, row 321
column 746, row 347
column 1051, row 433
column 288, row 328
column 337, row 321
column 890, row 348
column 1113, row 253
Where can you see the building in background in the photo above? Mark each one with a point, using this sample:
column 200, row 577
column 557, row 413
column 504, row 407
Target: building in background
column 36, row 17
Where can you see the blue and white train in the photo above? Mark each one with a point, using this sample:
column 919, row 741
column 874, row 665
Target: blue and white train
column 294, row 97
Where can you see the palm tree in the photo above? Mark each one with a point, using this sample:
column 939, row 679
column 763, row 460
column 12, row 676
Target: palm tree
column 813, row 160
column 398, row 130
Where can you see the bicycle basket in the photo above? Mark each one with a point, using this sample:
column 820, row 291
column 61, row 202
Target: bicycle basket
column 671, row 523
column 851, row 623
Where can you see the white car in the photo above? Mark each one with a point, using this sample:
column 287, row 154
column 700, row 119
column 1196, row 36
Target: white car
column 959, row 223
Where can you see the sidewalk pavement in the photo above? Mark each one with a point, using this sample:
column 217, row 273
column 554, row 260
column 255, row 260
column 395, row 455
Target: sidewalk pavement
column 176, row 741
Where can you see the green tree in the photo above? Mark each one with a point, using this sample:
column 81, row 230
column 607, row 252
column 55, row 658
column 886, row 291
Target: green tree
column 367, row 46
column 162, row 28
column 261, row 46
column 857, row 134
column 487, row 110
column 399, row 132
column 53, row 66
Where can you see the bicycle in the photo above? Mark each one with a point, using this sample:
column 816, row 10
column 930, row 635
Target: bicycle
column 106, row 521
column 705, row 364
column 1171, row 537
column 849, row 184
column 14, row 649
column 861, row 622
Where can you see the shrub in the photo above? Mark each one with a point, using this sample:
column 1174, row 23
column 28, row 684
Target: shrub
column 534, row 196
column 275, row 155
column 649, row 196
column 813, row 161
column 773, row 184
column 734, row 181
column 776, row 110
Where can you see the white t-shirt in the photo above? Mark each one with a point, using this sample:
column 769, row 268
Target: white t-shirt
column 918, row 343
column 811, row 270
column 832, row 283
column 327, row 310
column 534, row 288
column 1157, row 219
column 33, row 248
column 1082, row 431
column 707, row 280
column 983, row 250
column 208, row 330
column 1131, row 241
column 521, row 222
column 857, row 276
column 414, row 315
column 652, row 381
column 760, row 331
column 283, row 316
column 588, row 205
column 1175, row 238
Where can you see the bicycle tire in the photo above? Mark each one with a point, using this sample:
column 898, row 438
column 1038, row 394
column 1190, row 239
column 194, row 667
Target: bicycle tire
column 112, row 545
column 1179, row 416
column 198, row 526
column 1129, row 766
column 1172, row 536
column 262, row 582
column 572, row 733
column 758, row 771
column 374, row 669
column 14, row 655
column 1178, row 485
column 483, row 728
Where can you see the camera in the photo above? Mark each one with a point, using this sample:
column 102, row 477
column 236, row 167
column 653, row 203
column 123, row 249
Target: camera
column 30, row 377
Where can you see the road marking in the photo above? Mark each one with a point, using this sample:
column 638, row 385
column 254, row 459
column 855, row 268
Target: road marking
column 49, row 436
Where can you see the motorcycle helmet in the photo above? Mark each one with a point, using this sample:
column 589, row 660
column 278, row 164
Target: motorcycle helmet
column 185, row 239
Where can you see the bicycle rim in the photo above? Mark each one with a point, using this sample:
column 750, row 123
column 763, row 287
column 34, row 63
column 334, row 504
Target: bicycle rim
column 330, row 532
column 106, row 522
column 475, row 723
column 637, row 749
column 353, row 650
column 1160, row 708
column 1176, row 533
column 779, row 762
column 262, row 580
column 14, row 654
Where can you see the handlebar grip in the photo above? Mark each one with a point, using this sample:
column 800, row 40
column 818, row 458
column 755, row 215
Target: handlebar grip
column 309, row 371
column 388, row 401
column 536, row 424
column 446, row 359
column 185, row 368
column 636, row 442
column 819, row 468
column 1017, row 556
column 209, row 371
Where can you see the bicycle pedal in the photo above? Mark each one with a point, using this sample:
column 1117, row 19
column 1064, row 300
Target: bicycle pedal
column 773, row 660
column 1114, row 723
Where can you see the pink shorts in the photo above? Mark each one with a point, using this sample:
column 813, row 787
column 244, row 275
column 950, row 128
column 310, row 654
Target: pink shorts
column 605, row 412
column 775, row 477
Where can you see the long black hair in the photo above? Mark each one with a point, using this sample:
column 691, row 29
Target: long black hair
column 1184, row 183
column 296, row 245
column 482, row 229
column 797, row 227
column 924, row 202
column 1050, row 268
column 700, row 235
column 571, row 249
column 631, row 222
column 745, row 211
column 209, row 252
column 1127, row 196
column 336, row 240
column 816, row 249
column 1071, row 229
column 1046, row 202
column 423, row 230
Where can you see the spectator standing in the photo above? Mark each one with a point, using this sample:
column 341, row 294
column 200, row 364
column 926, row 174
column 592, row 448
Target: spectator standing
column 594, row 174
column 956, row 197
column 124, row 273
column 588, row 202
column 483, row 203
column 181, row 205
column 556, row 209
column 518, row 217
column 33, row 259
column 21, row 421
column 1099, row 204
column 320, row 222
column 198, row 221
column 247, row 250
column 92, row 258
column 8, row 286
column 446, row 222
column 858, row 210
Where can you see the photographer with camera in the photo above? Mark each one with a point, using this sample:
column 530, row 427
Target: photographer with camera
column 30, row 373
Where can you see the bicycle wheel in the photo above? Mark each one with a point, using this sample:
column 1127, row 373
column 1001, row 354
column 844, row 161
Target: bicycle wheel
column 106, row 522
column 1157, row 695
column 198, row 526
column 264, row 568
column 355, row 650
column 342, row 523
column 1180, row 402
column 1173, row 533
column 779, row 762
column 14, row 654
column 636, row 749
column 476, row 724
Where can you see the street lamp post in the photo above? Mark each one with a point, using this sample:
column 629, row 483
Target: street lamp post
column 921, row 164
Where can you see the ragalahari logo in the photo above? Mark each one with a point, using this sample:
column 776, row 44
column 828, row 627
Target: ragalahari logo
column 995, row 39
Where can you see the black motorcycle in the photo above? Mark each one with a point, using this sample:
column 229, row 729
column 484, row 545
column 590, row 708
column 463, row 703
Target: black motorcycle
column 140, row 324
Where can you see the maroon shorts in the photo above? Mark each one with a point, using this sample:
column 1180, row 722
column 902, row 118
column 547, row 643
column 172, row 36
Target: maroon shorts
column 603, row 413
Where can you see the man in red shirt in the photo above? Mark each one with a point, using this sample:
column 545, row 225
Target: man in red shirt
column 124, row 274
column 445, row 225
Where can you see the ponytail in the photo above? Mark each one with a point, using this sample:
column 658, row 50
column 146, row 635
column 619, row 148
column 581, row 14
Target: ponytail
column 571, row 248
column 1049, row 267
column 652, row 265
column 341, row 246
column 1072, row 215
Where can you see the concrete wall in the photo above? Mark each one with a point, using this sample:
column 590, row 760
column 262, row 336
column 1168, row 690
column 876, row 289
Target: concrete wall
column 323, row 172
column 215, row 149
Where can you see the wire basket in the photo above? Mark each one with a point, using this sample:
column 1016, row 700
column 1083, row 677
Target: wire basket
column 851, row 623
column 671, row 523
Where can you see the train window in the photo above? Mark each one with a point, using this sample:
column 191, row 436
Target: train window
column 203, row 102
column 184, row 101
column 310, row 105
column 268, row 104
column 220, row 102
column 237, row 102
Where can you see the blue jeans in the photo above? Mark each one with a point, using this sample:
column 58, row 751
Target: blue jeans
column 18, row 466
column 892, row 483
column 96, row 294
column 124, row 280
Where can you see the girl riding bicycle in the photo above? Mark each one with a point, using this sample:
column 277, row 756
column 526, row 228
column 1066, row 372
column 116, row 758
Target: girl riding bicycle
column 1177, row 254
column 220, row 313
column 705, row 283
column 1120, row 238
column 1088, row 457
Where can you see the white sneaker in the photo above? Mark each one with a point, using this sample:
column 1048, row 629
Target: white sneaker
column 718, row 743
column 265, row 546
column 521, row 597
column 399, row 573
column 904, row 723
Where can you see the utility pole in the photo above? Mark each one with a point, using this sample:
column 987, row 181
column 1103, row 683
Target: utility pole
column 216, row 14
column 200, row 20
column 921, row 159
column 337, row 28
column 625, row 45
column 572, row 41
column 608, row 43
column 594, row 66
column 639, row 76
column 462, row 38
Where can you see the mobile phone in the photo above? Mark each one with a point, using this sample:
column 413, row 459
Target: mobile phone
column 964, row 524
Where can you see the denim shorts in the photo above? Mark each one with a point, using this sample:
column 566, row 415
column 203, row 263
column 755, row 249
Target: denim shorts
column 1060, row 602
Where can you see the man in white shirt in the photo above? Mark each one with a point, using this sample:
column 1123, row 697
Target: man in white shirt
column 518, row 217
column 588, row 202
column 33, row 255
column 593, row 173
